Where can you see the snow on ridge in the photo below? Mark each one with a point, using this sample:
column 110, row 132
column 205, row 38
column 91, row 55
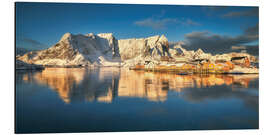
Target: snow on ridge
column 102, row 49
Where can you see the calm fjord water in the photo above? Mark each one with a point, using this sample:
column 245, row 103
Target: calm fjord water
column 114, row 99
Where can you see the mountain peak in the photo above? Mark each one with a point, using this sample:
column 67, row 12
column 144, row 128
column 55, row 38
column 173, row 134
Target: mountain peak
column 163, row 40
column 199, row 51
column 105, row 34
column 66, row 36
column 90, row 34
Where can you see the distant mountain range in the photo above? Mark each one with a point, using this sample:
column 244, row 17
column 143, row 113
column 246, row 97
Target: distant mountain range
column 250, row 49
column 105, row 50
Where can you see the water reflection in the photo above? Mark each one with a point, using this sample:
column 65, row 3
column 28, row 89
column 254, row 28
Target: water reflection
column 104, row 84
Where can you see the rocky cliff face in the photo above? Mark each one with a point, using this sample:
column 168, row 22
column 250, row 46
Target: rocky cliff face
column 143, row 47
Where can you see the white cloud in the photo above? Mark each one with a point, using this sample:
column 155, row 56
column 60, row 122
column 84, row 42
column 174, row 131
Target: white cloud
column 163, row 23
column 156, row 23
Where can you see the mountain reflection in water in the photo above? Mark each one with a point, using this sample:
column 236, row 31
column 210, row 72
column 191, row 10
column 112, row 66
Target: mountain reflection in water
column 117, row 99
column 105, row 84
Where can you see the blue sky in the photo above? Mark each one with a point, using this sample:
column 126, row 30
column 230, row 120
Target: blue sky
column 40, row 25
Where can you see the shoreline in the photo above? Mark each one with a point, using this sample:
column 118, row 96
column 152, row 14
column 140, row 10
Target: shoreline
column 174, row 71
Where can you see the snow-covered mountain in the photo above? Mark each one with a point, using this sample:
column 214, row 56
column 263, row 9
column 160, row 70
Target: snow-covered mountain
column 101, row 49
column 105, row 50
column 73, row 50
